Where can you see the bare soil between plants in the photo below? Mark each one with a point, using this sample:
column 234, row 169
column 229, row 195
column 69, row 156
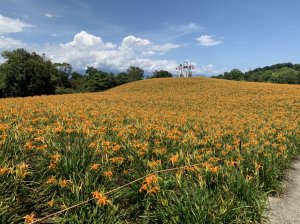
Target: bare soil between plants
column 285, row 208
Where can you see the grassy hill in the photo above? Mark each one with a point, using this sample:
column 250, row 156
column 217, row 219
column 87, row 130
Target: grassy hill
column 189, row 150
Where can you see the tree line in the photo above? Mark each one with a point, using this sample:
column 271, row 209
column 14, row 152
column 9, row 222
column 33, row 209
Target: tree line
column 279, row 73
column 28, row 74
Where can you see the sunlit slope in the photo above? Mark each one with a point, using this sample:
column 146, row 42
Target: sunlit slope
column 58, row 151
column 206, row 99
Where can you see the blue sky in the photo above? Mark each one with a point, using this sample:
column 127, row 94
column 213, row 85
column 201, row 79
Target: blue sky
column 215, row 35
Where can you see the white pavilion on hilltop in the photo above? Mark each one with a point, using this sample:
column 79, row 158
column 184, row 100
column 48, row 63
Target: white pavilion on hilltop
column 185, row 69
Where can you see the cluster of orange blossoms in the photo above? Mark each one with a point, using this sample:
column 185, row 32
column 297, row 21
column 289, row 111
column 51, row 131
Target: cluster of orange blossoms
column 29, row 218
column 101, row 198
column 150, row 184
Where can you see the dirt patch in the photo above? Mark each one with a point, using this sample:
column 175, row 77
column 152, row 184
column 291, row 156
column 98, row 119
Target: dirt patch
column 285, row 209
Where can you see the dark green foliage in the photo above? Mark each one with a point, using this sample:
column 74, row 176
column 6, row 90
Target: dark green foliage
column 28, row 74
column 25, row 74
column 135, row 73
column 279, row 73
column 121, row 78
column 234, row 74
column 2, row 77
column 98, row 80
column 61, row 77
column 76, row 81
column 161, row 74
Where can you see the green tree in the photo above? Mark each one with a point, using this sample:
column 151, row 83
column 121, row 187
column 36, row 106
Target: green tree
column 234, row 74
column 161, row 74
column 121, row 78
column 98, row 80
column 264, row 76
column 135, row 73
column 26, row 74
column 61, row 77
column 77, row 81
column 2, row 79
column 287, row 75
column 279, row 73
column 76, row 75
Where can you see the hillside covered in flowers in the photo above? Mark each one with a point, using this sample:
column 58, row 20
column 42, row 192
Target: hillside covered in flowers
column 190, row 150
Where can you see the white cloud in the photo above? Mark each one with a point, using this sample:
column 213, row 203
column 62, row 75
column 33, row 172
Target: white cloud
column 144, row 46
column 151, row 65
column 188, row 28
column 7, row 43
column 84, row 39
column 208, row 40
column 134, row 43
column 9, row 25
column 89, row 50
column 49, row 15
column 207, row 70
column 165, row 47
column 183, row 28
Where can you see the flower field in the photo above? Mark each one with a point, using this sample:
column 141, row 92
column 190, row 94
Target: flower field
column 192, row 150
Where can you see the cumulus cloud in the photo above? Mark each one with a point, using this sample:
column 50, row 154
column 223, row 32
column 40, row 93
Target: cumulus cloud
column 7, row 43
column 144, row 46
column 9, row 25
column 86, row 40
column 90, row 50
column 132, row 42
column 208, row 70
column 208, row 40
column 83, row 39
